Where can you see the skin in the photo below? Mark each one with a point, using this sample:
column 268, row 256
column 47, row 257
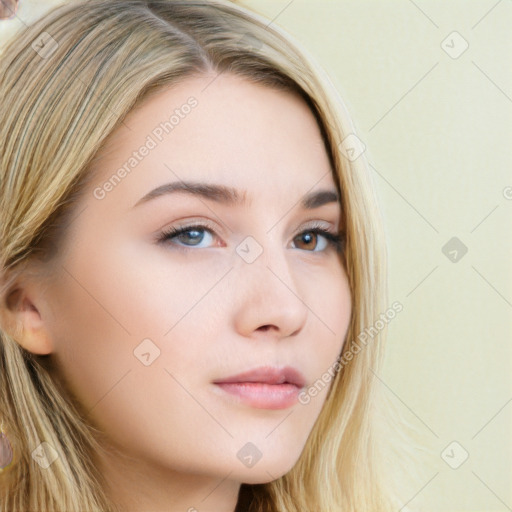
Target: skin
column 114, row 285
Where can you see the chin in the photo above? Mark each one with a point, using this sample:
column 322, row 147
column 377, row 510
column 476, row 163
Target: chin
column 264, row 473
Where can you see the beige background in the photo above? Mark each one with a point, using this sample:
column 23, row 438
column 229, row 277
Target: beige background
column 438, row 129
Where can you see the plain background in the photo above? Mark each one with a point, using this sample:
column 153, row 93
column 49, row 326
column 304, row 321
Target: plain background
column 437, row 125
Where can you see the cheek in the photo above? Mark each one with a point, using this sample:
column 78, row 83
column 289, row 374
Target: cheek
column 113, row 314
column 330, row 304
column 327, row 295
column 336, row 302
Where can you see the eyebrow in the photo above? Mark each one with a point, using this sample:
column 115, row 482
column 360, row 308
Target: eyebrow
column 231, row 196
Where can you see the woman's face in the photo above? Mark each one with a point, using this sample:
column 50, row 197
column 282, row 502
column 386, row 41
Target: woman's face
column 143, row 327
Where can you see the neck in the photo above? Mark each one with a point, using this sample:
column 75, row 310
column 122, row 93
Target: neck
column 137, row 485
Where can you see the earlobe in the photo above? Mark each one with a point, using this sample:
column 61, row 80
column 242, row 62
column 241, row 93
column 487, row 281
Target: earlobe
column 23, row 322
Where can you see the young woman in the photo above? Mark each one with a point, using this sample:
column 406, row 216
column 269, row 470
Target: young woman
column 191, row 256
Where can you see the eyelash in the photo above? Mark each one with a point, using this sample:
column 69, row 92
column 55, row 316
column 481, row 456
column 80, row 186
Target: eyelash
column 335, row 241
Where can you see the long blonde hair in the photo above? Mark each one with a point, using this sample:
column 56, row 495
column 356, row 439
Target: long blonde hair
column 66, row 82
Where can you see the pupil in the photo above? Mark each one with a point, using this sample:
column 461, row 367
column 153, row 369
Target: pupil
column 308, row 238
column 196, row 235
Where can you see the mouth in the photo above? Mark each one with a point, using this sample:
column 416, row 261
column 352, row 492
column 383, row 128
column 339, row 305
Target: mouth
column 265, row 387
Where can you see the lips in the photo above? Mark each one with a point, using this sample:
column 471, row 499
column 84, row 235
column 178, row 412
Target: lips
column 268, row 375
column 264, row 387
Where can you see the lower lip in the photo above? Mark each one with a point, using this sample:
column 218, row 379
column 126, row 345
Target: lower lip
column 263, row 396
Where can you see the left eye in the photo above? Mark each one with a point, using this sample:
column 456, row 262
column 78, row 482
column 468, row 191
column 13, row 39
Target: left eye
column 195, row 235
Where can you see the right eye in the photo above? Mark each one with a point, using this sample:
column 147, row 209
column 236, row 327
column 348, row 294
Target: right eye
column 193, row 233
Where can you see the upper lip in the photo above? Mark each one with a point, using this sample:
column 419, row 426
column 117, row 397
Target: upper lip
column 268, row 375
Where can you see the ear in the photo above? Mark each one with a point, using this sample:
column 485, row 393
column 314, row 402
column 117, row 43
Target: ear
column 21, row 318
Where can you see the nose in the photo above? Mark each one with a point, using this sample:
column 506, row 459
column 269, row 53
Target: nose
column 267, row 297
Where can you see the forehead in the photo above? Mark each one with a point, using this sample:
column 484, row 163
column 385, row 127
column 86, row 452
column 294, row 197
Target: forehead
column 222, row 129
